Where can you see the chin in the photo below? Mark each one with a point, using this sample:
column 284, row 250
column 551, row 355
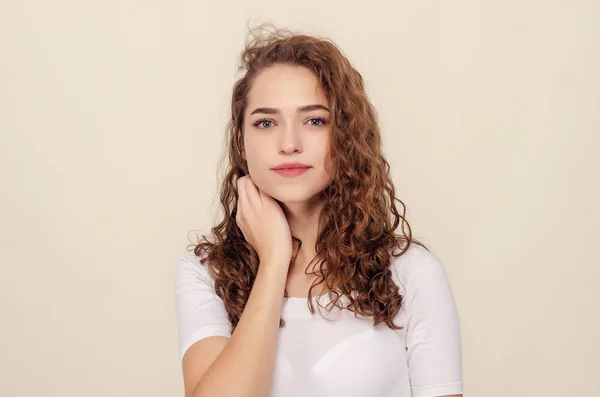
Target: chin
column 289, row 195
column 293, row 194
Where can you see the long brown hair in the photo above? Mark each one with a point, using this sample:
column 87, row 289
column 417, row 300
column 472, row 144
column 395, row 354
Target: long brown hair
column 357, row 223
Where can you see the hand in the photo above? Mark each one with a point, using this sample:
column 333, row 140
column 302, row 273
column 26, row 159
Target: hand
column 263, row 223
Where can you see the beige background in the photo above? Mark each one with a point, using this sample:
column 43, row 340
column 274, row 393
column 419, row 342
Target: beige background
column 112, row 117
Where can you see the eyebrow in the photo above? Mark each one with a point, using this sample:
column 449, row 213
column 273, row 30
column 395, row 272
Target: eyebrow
column 307, row 108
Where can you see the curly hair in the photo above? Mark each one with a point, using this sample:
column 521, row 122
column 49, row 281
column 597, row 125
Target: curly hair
column 357, row 223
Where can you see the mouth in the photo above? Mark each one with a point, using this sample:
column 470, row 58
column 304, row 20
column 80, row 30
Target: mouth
column 291, row 172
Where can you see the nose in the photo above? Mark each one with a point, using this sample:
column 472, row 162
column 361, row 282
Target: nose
column 289, row 140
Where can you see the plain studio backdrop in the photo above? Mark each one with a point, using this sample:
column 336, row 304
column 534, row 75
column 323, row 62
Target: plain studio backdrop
column 112, row 122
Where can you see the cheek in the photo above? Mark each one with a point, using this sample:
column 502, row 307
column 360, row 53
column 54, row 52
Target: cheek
column 253, row 154
column 258, row 170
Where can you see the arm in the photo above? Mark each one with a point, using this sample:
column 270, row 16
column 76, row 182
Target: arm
column 244, row 364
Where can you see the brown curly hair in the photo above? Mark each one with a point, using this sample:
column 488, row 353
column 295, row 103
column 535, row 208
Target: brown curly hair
column 359, row 217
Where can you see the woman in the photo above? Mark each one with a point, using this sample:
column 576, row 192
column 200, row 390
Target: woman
column 350, row 309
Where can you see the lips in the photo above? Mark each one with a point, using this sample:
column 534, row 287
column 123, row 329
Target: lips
column 291, row 166
column 290, row 172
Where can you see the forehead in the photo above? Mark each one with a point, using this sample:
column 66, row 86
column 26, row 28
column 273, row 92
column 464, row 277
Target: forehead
column 286, row 87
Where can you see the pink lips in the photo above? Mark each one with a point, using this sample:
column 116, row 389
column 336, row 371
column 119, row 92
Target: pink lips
column 289, row 172
column 291, row 169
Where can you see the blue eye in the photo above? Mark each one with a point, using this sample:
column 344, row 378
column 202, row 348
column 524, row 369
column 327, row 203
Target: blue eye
column 318, row 119
column 260, row 123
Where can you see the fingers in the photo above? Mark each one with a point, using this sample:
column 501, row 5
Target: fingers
column 253, row 194
column 249, row 197
column 251, row 191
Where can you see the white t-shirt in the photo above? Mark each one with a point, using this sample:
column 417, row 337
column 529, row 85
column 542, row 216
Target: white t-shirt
column 342, row 355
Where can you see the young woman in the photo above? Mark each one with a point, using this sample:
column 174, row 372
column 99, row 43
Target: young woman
column 305, row 290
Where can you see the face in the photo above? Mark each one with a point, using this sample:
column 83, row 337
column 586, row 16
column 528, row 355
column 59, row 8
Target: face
column 287, row 121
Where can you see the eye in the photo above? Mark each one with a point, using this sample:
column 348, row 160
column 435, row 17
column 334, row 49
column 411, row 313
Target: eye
column 317, row 121
column 263, row 123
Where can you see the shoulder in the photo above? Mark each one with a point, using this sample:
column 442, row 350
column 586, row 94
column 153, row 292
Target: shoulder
column 188, row 266
column 419, row 270
column 416, row 263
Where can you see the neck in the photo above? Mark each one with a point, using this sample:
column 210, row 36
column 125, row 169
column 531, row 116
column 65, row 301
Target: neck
column 303, row 218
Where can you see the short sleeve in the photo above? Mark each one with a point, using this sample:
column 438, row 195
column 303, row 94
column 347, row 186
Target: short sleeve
column 432, row 333
column 200, row 312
